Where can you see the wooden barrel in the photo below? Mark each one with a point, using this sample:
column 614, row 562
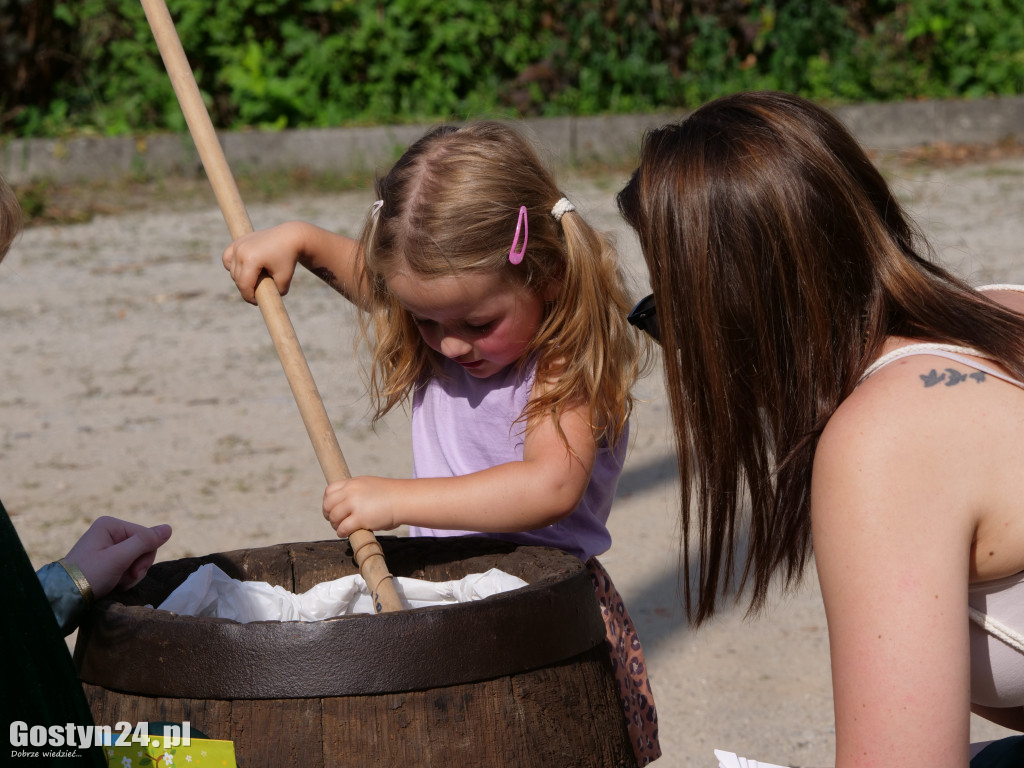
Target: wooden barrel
column 518, row 679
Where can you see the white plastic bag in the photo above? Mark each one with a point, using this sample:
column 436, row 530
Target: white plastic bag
column 210, row 592
column 732, row 760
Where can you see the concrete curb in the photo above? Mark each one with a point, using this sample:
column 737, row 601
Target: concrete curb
column 570, row 142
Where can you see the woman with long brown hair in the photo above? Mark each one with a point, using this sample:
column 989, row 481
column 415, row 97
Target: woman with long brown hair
column 829, row 383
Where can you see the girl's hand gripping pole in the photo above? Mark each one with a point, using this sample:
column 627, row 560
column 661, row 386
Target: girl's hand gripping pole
column 368, row 554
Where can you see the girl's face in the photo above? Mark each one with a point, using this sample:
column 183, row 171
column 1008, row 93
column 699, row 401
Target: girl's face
column 478, row 319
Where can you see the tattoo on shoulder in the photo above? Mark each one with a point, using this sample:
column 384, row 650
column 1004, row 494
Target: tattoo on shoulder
column 327, row 276
column 950, row 377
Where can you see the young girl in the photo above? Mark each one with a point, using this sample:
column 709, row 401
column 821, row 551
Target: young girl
column 502, row 315
column 828, row 380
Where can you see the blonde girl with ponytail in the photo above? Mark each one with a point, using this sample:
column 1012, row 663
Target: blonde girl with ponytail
column 500, row 314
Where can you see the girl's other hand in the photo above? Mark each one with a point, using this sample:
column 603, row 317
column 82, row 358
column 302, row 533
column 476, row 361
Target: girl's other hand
column 274, row 251
column 361, row 503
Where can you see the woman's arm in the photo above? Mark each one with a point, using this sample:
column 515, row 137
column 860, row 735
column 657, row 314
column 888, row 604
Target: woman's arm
column 540, row 490
column 893, row 514
column 332, row 257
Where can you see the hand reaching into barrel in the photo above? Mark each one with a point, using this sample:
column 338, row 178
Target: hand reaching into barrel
column 115, row 553
column 111, row 554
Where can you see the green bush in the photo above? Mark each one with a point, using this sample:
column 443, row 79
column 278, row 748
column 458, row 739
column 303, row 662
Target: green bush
column 92, row 65
column 604, row 56
column 36, row 52
column 324, row 62
column 968, row 47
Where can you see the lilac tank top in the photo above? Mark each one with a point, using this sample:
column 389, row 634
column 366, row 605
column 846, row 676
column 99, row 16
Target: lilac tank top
column 461, row 424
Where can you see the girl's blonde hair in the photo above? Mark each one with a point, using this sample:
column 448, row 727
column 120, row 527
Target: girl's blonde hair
column 451, row 205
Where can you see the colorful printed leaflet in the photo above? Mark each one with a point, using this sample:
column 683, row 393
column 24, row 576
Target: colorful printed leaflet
column 200, row 753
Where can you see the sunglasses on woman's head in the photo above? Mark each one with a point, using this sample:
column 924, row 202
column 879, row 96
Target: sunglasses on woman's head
column 645, row 317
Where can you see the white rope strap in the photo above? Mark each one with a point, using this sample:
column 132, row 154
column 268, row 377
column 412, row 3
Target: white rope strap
column 1001, row 287
column 997, row 629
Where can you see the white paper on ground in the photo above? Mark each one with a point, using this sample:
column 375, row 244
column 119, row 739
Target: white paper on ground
column 209, row 591
column 730, row 760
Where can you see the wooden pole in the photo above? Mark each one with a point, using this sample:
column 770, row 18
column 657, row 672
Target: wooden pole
column 368, row 554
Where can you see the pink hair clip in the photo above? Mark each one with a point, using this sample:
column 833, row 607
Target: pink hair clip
column 523, row 224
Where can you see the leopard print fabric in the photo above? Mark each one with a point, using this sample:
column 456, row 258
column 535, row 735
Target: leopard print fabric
column 629, row 666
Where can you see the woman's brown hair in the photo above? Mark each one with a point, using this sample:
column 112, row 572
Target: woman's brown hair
column 780, row 261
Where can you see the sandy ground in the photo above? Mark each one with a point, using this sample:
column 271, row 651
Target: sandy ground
column 138, row 384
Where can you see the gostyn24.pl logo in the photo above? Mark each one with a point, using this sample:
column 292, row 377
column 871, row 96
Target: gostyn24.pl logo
column 78, row 736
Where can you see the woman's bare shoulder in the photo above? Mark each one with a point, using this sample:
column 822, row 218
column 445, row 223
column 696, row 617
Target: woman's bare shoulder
column 919, row 390
column 914, row 421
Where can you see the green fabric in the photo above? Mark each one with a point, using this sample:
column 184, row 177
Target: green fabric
column 1005, row 753
column 38, row 681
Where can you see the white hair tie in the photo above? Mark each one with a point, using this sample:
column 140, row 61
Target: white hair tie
column 563, row 206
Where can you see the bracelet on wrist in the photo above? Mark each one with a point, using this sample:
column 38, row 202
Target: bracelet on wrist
column 79, row 578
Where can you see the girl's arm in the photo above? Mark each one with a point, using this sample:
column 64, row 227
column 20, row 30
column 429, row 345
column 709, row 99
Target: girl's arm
column 332, row 257
column 894, row 499
column 540, row 490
